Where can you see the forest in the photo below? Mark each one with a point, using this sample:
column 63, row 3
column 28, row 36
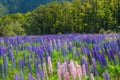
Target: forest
column 61, row 17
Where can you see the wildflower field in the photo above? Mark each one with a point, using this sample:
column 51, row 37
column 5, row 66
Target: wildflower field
column 60, row 57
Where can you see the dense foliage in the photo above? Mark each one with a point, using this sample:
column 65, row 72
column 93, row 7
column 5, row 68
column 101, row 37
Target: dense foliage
column 3, row 10
column 60, row 57
column 81, row 16
column 14, row 6
column 88, row 16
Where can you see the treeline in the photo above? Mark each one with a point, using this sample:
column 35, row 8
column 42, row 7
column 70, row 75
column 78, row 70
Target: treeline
column 77, row 16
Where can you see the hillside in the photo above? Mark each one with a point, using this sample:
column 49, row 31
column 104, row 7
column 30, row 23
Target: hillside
column 22, row 6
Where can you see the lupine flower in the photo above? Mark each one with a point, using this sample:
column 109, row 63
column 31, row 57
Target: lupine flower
column 72, row 70
column 21, row 64
column 94, row 69
column 35, row 65
column 30, row 77
column 112, row 56
column 38, row 75
column 21, row 75
column 44, row 70
column 50, row 66
column 66, row 76
column 3, row 72
column 11, row 56
column 91, row 76
column 63, row 68
column 16, row 77
column 59, row 71
column 104, row 62
column 106, row 76
column 29, row 64
column 5, row 64
column 84, row 70
column 78, row 70
column 59, row 74
column 84, row 61
column 42, row 75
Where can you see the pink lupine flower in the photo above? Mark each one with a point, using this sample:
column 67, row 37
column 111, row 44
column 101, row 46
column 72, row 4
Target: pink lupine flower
column 78, row 70
column 44, row 70
column 58, row 65
column 72, row 70
column 59, row 74
column 64, row 68
column 84, row 70
column 91, row 76
column 50, row 66
column 59, row 70
column 66, row 76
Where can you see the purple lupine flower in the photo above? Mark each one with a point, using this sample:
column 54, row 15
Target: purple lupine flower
column 29, row 64
column 112, row 56
column 106, row 76
column 55, row 45
column 94, row 68
column 104, row 62
column 35, row 65
column 41, row 54
column 100, row 60
column 2, row 50
column 38, row 75
column 59, row 44
column 30, row 77
column 3, row 72
column 21, row 76
column 42, row 75
column 84, row 61
column 70, row 46
column 16, row 77
column 5, row 64
column 21, row 64
column 11, row 56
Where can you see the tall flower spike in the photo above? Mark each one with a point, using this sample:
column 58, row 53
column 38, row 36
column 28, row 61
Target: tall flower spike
column 66, row 76
column 106, row 76
column 72, row 70
column 95, row 72
column 63, row 68
column 5, row 64
column 44, row 70
column 50, row 66
column 84, row 70
column 30, row 76
column 59, row 70
column 59, row 74
column 78, row 70
column 91, row 76
column 16, row 77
